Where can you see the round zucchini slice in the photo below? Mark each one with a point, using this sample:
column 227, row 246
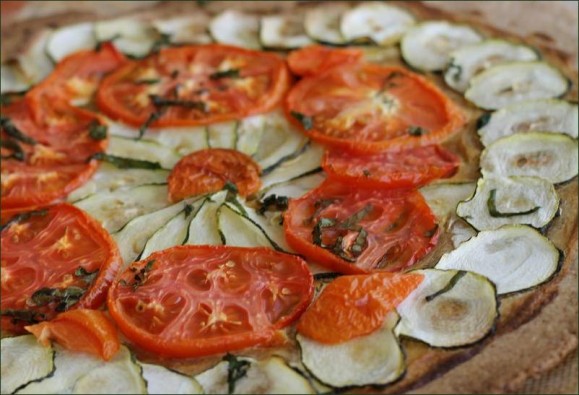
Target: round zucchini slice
column 161, row 380
column 323, row 24
column 547, row 116
column 236, row 28
column 189, row 29
column 551, row 156
column 515, row 82
column 449, row 309
column 283, row 32
column 469, row 61
column 378, row 22
column 428, row 45
column 514, row 258
column 69, row 39
column 374, row 359
column 131, row 36
column 502, row 201
column 444, row 197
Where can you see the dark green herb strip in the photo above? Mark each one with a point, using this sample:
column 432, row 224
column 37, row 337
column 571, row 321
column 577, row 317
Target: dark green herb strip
column 188, row 209
column 148, row 81
column 64, row 298
column 14, row 132
column 159, row 101
column 279, row 203
column 351, row 222
column 416, row 131
column 236, row 369
column 456, row 71
column 6, row 98
column 231, row 196
column 231, row 73
column 360, row 243
column 17, row 152
column 491, row 204
column 317, row 230
column 153, row 117
column 306, row 121
column 483, row 120
column 24, row 217
column 86, row 276
column 326, row 276
column 125, row 163
column 451, row 283
column 26, row 316
column 163, row 41
column 97, row 131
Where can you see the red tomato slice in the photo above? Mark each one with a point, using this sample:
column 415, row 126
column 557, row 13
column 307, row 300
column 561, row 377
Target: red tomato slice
column 316, row 59
column 52, row 260
column 190, row 301
column 408, row 168
column 194, row 85
column 82, row 330
column 55, row 161
column 351, row 229
column 74, row 79
column 357, row 305
column 371, row 108
column 209, row 170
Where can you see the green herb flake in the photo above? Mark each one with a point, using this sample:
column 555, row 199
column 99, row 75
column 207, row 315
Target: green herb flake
column 236, row 369
column 153, row 117
column 351, row 222
column 274, row 202
column 12, row 131
column 188, row 209
column 97, row 131
column 17, row 151
column 455, row 70
column 416, row 131
column 483, row 120
column 306, row 121
column 317, row 230
column 24, row 216
column 231, row 73
column 148, row 81
column 85, row 275
column 125, row 163
column 23, row 316
column 494, row 212
column 64, row 298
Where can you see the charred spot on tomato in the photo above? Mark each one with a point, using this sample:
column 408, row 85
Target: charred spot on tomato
column 231, row 73
column 416, row 131
column 140, row 275
column 23, row 316
column 306, row 121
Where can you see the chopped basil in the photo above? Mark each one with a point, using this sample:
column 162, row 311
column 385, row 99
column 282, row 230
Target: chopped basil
column 278, row 203
column 351, row 222
column 140, row 275
column 125, row 163
column 188, row 209
column 17, row 152
column 87, row 277
column 231, row 73
column 97, row 131
column 14, row 132
column 162, row 102
column 306, row 121
column 455, row 70
column 6, row 98
column 64, row 298
column 317, row 231
column 236, row 369
column 360, row 243
column 483, row 120
column 494, row 212
column 153, row 117
column 366, row 172
column 148, row 81
column 416, row 131
column 231, row 197
column 389, row 80
column 163, row 41
column 453, row 281
column 24, row 217
column 26, row 316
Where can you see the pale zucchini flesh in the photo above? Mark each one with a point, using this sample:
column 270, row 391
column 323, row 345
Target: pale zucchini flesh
column 513, row 257
column 502, row 201
column 236, row 28
column 308, row 162
column 449, row 309
column 70, row 39
column 222, row 135
column 295, row 187
column 189, row 29
column 551, row 156
column 12, row 78
column 547, row 116
column 428, row 45
column 203, row 228
column 442, row 198
column 515, row 82
column 131, row 36
column 238, row 230
column 34, row 62
column 283, row 32
column 161, row 380
column 146, row 150
column 323, row 24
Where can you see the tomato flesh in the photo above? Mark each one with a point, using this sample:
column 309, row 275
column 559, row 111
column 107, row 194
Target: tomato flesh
column 352, row 229
column 190, row 301
column 316, row 59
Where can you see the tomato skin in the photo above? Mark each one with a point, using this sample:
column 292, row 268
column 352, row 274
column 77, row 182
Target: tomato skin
column 208, row 170
column 372, row 108
column 357, row 305
column 185, row 73
column 407, row 168
column 203, row 300
column 82, row 330
column 317, row 59
column 400, row 227
column 44, row 251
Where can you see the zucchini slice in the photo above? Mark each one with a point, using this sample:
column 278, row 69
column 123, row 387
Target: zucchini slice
column 147, row 150
column 12, row 78
column 181, row 140
column 449, row 309
column 308, row 162
column 514, row 258
column 81, row 373
column 460, row 231
column 502, row 201
column 236, row 28
column 114, row 209
column 110, row 178
column 203, row 228
column 34, row 62
column 323, row 24
column 547, row 116
column 469, row 61
column 222, row 135
column 382, row 24
column 161, row 380
column 515, row 82
column 189, row 29
column 283, row 32
column 249, row 133
column 23, row 361
column 69, row 39
column 294, row 188
column 374, row 359
column 428, row 45
column 130, row 36
column 269, row 376
column 444, row 197
column 551, row 156
column 238, row 230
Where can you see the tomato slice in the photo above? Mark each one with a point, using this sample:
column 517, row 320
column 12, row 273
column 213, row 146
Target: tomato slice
column 209, row 170
column 352, row 229
column 316, row 59
column 82, row 330
column 407, row 168
column 194, row 85
column 74, row 80
column 42, row 164
column 52, row 260
column 357, row 305
column 372, row 108
column 190, row 301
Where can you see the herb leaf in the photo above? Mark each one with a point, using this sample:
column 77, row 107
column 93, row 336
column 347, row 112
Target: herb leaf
column 97, row 131
column 159, row 101
column 306, row 121
column 86, row 276
column 483, row 120
column 64, row 298
column 416, row 131
column 26, row 316
column 236, row 369
column 279, row 203
column 148, row 81
column 125, row 163
column 317, row 230
column 154, row 116
column 231, row 73
column 14, row 132
column 494, row 212
column 455, row 70
column 24, row 217
column 17, row 151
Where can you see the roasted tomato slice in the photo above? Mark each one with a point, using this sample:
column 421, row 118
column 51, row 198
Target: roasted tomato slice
column 42, row 164
column 209, row 170
column 53, row 260
column 407, row 168
column 74, row 81
column 195, row 85
column 316, row 59
column 372, row 108
column 357, row 305
column 189, row 301
column 352, row 229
